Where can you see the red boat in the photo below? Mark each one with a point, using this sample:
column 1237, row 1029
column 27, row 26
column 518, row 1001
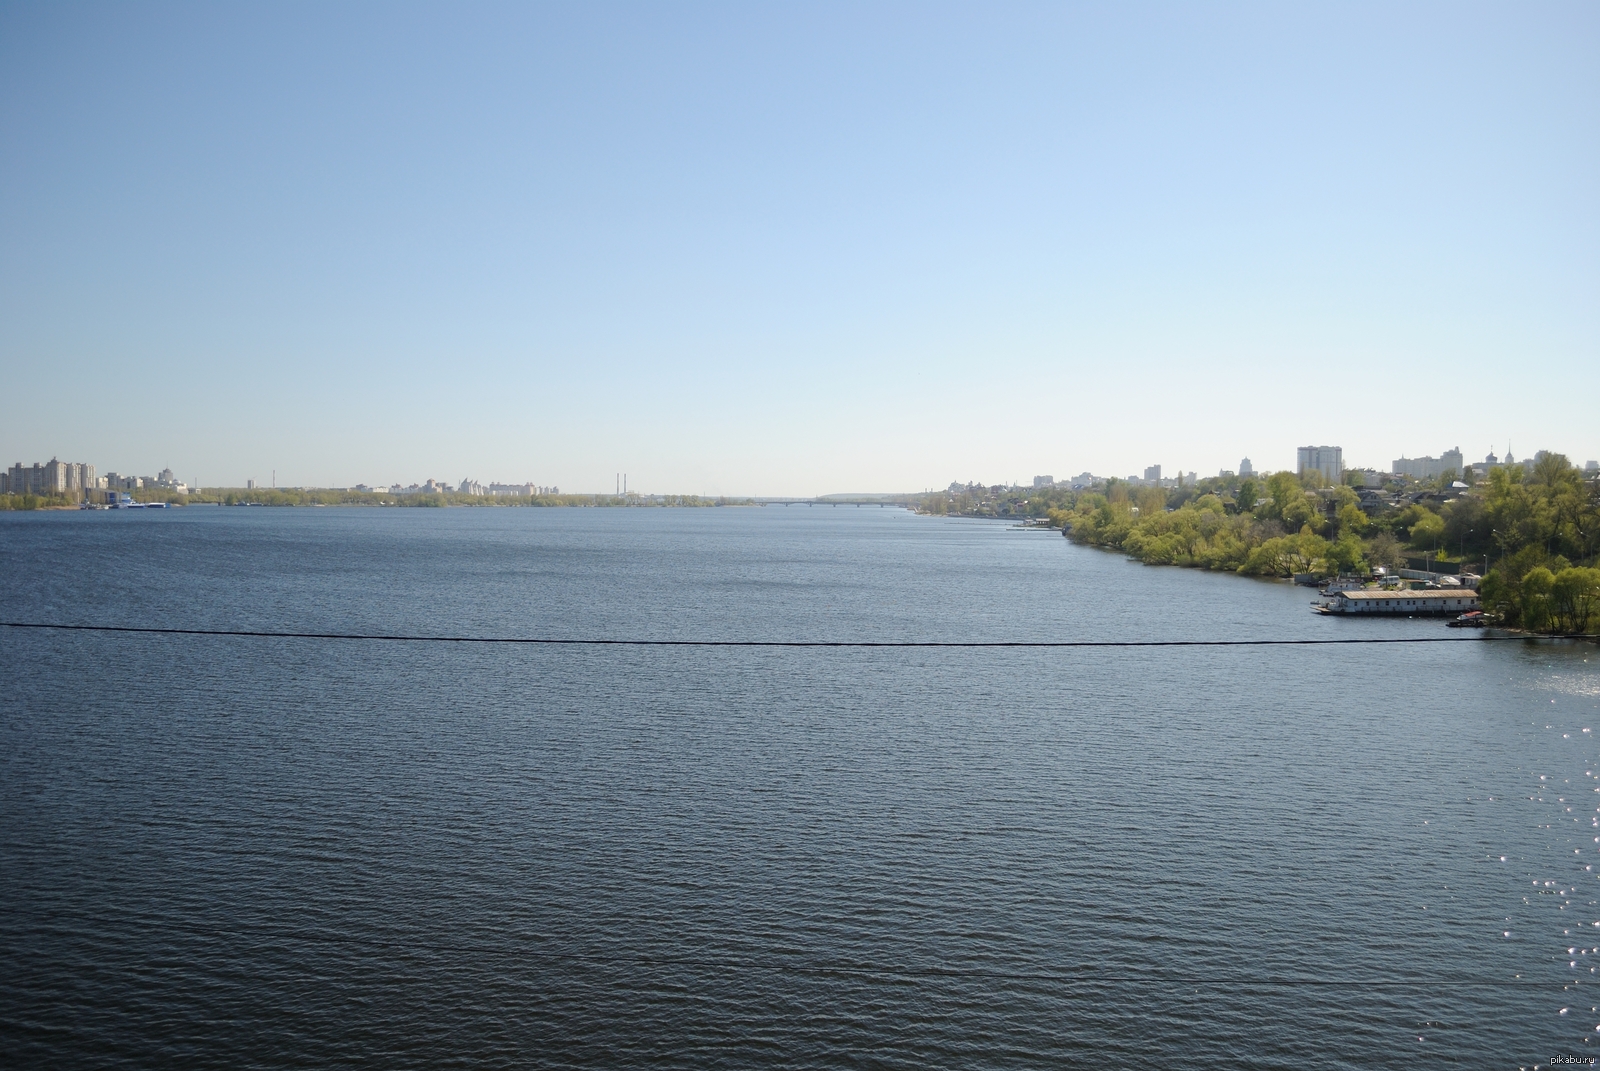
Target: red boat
column 1470, row 619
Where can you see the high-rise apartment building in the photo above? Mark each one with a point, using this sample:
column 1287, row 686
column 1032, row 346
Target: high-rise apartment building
column 1328, row 460
column 1152, row 475
column 54, row 477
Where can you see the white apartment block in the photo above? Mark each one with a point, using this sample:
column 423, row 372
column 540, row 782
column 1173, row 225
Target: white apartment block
column 1328, row 460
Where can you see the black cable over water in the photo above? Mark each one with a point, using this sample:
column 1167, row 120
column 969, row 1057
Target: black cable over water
column 555, row 642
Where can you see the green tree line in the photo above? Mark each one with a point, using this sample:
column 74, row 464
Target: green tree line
column 26, row 501
column 1543, row 538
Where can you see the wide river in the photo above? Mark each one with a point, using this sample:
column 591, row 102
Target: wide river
column 242, row 852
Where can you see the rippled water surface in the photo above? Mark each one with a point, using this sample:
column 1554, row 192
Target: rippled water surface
column 239, row 852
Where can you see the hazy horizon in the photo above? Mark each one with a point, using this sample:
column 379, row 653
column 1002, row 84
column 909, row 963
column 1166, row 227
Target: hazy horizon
column 767, row 251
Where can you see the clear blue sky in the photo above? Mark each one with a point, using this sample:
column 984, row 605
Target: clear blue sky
column 748, row 248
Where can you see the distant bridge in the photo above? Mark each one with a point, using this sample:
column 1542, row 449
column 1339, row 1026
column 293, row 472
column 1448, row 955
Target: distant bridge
column 881, row 501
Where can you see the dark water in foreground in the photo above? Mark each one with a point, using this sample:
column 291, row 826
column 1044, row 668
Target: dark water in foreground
column 265, row 853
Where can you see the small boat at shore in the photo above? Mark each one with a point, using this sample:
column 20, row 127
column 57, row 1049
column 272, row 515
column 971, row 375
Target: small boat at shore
column 1470, row 619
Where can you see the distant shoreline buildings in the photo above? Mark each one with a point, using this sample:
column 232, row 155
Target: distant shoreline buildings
column 74, row 479
column 51, row 478
column 466, row 487
column 80, row 481
column 1328, row 461
column 1431, row 468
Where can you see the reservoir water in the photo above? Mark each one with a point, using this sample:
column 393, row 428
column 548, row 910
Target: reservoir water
column 245, row 852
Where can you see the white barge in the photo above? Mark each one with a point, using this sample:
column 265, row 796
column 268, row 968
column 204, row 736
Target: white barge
column 1403, row 603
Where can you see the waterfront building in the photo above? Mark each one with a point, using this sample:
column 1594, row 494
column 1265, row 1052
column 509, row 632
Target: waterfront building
column 1402, row 603
column 1328, row 460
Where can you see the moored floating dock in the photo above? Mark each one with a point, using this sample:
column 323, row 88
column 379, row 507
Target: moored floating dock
column 1402, row 603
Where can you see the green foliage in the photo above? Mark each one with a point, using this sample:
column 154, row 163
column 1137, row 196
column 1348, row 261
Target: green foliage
column 1283, row 488
column 1305, row 552
column 1304, row 510
column 1536, row 609
column 1383, row 549
column 1539, row 523
column 1312, row 479
column 1288, row 533
column 1248, row 492
column 1351, row 520
column 1467, row 530
column 31, row 502
column 1348, row 555
column 1427, row 531
column 1035, row 503
column 1574, row 599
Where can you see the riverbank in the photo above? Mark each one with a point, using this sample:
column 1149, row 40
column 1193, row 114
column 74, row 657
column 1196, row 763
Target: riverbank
column 1536, row 530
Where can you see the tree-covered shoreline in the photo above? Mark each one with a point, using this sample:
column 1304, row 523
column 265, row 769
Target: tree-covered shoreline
column 1533, row 532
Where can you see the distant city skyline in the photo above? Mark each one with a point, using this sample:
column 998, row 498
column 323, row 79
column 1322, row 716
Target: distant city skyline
column 765, row 250
column 1326, row 458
